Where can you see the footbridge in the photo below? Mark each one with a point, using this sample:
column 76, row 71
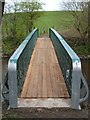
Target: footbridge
column 45, row 71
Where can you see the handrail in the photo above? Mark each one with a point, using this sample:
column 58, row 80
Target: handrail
column 17, row 67
column 71, row 68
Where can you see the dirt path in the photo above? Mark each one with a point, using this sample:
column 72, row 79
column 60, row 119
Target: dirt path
column 45, row 113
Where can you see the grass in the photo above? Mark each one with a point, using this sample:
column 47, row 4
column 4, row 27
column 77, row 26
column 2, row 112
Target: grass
column 60, row 20
column 82, row 49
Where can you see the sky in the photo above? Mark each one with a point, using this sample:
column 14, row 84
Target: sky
column 54, row 5
column 50, row 5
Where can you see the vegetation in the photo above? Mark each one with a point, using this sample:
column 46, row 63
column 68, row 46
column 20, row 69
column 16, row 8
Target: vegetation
column 16, row 26
column 60, row 20
column 14, row 31
column 80, row 18
column 82, row 49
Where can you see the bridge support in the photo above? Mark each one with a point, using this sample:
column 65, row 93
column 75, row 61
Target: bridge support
column 12, row 75
column 75, row 95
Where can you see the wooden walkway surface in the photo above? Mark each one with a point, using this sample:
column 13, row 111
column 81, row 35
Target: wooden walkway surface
column 44, row 77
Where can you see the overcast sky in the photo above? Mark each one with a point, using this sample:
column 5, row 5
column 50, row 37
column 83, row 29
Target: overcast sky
column 50, row 5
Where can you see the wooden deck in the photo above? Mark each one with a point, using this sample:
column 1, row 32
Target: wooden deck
column 44, row 77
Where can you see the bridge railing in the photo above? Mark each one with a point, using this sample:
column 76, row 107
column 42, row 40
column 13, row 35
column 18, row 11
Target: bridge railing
column 17, row 67
column 71, row 68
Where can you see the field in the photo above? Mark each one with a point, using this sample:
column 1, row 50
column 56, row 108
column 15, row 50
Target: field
column 60, row 20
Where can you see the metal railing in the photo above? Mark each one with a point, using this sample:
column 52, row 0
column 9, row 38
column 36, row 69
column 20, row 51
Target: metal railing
column 71, row 68
column 17, row 67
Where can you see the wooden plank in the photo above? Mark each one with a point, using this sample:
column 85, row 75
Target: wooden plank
column 65, row 91
column 40, row 72
column 44, row 90
column 61, row 84
column 31, row 81
column 40, row 81
column 57, row 80
column 34, row 60
column 54, row 82
column 49, row 82
column 44, row 56
column 46, row 75
column 37, row 45
column 58, row 73
column 53, row 77
column 26, row 82
column 51, row 44
column 53, row 56
column 34, row 92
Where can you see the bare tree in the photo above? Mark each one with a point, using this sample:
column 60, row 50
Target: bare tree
column 79, row 11
column 7, row 19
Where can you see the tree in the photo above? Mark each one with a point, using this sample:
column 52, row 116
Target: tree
column 14, row 19
column 79, row 11
column 9, row 28
column 1, row 9
column 7, row 20
column 31, row 13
